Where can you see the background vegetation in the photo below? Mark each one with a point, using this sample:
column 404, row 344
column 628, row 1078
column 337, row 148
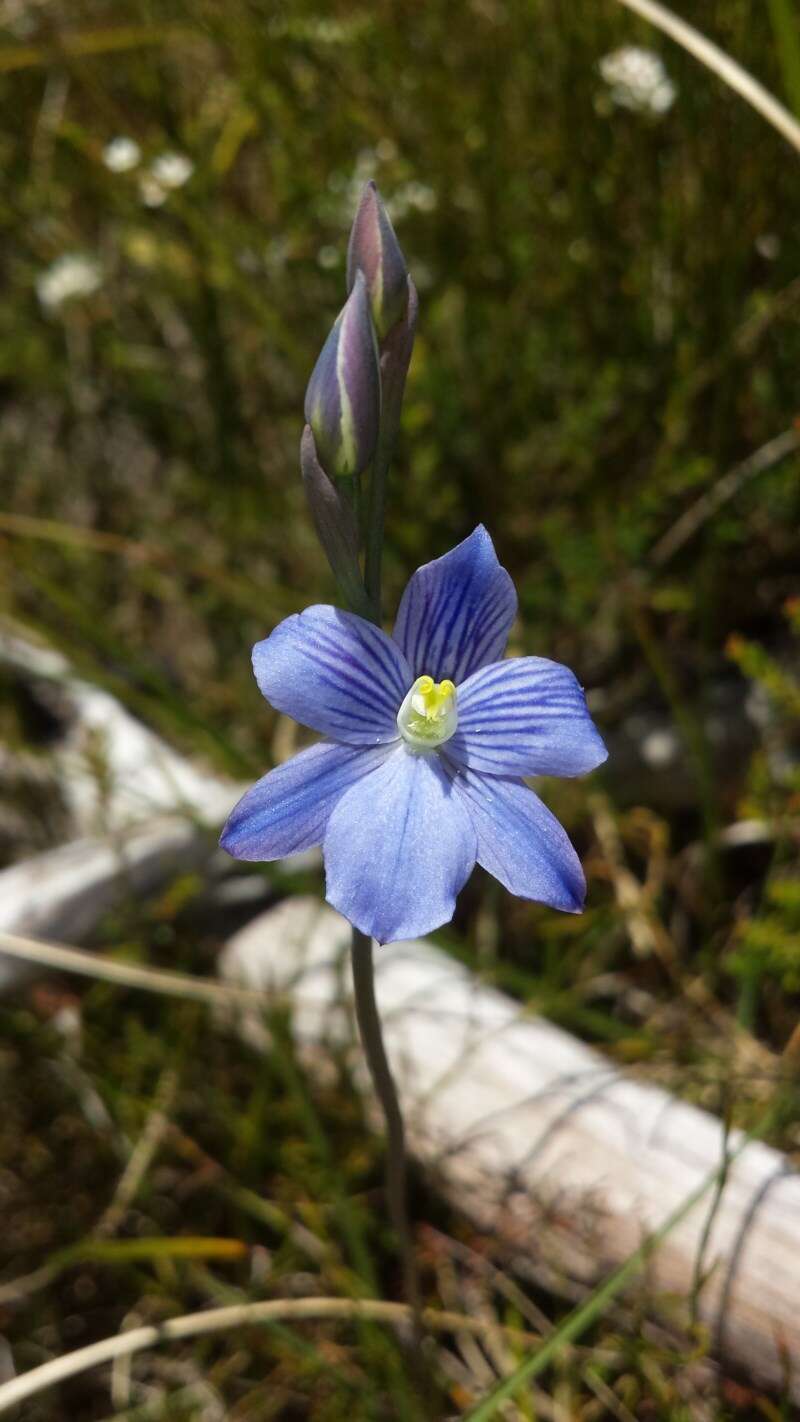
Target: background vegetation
column 609, row 326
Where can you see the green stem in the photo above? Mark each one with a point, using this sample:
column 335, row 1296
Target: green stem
column 395, row 359
column 376, row 508
column 369, row 1026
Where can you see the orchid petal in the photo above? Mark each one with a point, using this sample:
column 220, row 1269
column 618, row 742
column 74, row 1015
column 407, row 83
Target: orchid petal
column 520, row 842
column 456, row 612
column 335, row 672
column 527, row 716
column 398, row 848
column 288, row 809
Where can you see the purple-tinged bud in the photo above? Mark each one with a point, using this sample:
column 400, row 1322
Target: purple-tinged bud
column 374, row 250
column 343, row 398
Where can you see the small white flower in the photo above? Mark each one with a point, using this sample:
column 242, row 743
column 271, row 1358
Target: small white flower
column 768, row 245
column 73, row 274
column 638, row 79
column 660, row 748
column 172, row 170
column 152, row 193
column 121, row 154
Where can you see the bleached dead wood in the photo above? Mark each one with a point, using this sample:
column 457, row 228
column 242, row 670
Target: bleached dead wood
column 112, row 770
column 64, row 892
column 541, row 1141
column 140, row 810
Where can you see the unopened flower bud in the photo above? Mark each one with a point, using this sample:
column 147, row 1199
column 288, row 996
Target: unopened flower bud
column 374, row 250
column 343, row 397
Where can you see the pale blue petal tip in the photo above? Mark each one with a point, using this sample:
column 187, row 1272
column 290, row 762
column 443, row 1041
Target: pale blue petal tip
column 287, row 810
column 521, row 843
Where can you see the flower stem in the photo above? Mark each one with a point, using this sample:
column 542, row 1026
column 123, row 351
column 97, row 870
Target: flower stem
column 395, row 359
column 375, row 519
column 369, row 1026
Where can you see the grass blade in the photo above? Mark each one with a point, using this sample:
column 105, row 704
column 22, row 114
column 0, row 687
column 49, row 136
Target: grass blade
column 786, row 29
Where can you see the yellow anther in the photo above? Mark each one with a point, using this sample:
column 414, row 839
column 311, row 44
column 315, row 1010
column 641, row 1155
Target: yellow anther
column 425, row 685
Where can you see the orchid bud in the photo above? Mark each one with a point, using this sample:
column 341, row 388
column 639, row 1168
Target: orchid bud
column 374, row 250
column 344, row 393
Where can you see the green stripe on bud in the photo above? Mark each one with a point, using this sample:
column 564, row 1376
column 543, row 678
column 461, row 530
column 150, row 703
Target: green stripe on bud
column 342, row 403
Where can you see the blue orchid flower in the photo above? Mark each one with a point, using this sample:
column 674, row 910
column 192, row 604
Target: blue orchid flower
column 427, row 735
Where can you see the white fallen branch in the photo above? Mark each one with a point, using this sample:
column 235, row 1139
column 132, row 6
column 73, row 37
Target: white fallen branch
column 541, row 1141
column 142, row 777
column 64, row 892
column 143, row 819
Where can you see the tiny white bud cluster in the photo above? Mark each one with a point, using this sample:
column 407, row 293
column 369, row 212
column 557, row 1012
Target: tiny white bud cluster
column 638, row 79
column 72, row 275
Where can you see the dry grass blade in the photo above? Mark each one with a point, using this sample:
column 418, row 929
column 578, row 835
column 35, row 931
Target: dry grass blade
column 720, row 64
column 92, row 965
column 81, row 44
column 220, row 1320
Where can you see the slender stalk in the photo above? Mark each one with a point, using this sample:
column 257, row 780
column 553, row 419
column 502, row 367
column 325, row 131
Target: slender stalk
column 395, row 359
column 369, row 1026
column 395, row 356
column 376, row 508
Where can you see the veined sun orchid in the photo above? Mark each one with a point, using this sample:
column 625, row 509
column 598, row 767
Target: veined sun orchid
column 427, row 735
